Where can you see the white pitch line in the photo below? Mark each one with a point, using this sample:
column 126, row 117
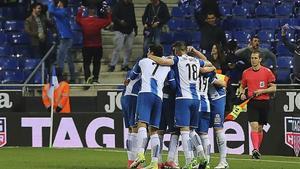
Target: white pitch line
column 235, row 159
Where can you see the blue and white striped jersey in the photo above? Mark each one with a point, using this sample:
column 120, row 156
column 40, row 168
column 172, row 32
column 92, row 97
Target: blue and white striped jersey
column 215, row 93
column 153, row 76
column 134, row 86
column 186, row 70
column 205, row 81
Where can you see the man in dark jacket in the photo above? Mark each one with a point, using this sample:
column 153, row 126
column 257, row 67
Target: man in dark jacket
column 125, row 29
column 156, row 15
column 295, row 50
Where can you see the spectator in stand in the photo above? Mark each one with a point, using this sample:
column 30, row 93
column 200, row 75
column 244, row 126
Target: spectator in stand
column 217, row 58
column 155, row 16
column 92, row 41
column 60, row 96
column 125, row 30
column 267, row 55
column 36, row 26
column 211, row 33
column 62, row 20
column 295, row 49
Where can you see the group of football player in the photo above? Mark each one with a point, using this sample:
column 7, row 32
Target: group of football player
column 181, row 95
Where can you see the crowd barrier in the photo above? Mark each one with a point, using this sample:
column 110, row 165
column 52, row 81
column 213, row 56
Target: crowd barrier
column 97, row 122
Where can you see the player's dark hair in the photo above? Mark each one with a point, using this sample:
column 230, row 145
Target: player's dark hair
column 157, row 50
column 257, row 52
column 179, row 46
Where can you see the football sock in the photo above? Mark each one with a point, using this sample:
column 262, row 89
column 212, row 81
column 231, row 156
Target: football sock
column 141, row 139
column 187, row 146
column 206, row 145
column 172, row 147
column 261, row 136
column 196, row 141
column 129, row 145
column 155, row 147
column 221, row 142
column 134, row 148
column 161, row 145
column 255, row 139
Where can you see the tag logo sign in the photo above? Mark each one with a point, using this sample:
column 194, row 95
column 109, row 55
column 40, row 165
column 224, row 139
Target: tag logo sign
column 3, row 135
column 4, row 101
column 292, row 133
column 262, row 84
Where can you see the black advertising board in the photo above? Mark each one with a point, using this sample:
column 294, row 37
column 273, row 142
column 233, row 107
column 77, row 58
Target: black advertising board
column 10, row 101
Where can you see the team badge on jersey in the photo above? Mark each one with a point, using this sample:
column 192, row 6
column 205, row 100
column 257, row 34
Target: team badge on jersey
column 262, row 84
column 2, row 131
column 292, row 133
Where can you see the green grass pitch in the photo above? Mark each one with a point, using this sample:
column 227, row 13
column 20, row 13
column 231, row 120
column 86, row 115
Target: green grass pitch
column 46, row 158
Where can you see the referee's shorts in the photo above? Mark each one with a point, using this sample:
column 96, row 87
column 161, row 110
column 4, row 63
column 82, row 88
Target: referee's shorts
column 258, row 111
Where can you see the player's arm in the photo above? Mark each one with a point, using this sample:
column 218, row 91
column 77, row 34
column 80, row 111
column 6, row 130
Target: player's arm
column 196, row 53
column 207, row 67
column 243, row 87
column 271, row 89
column 161, row 61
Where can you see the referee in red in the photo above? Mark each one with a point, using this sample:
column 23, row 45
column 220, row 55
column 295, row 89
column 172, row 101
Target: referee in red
column 260, row 82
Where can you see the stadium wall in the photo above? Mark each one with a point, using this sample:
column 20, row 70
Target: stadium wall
column 96, row 130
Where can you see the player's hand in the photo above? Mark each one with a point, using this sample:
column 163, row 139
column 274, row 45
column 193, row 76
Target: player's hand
column 284, row 29
column 191, row 49
column 155, row 24
column 243, row 96
column 126, row 82
column 258, row 92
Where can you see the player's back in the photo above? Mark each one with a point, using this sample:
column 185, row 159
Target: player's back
column 187, row 76
column 153, row 76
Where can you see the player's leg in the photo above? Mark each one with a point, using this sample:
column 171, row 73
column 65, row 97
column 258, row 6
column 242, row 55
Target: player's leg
column 182, row 116
column 253, row 118
column 143, row 110
column 153, row 128
column 202, row 130
column 217, row 117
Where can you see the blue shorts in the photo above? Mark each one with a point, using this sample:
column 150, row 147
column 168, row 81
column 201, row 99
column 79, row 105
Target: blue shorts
column 168, row 115
column 128, row 103
column 149, row 108
column 204, row 122
column 217, row 112
column 187, row 112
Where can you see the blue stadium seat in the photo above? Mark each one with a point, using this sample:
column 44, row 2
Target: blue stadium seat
column 12, row 77
column 246, row 24
column 3, row 38
column 266, row 45
column 285, row 62
column 269, row 23
column 177, row 12
column 266, row 36
column 6, row 13
column 5, row 51
column 21, row 51
column 225, row 10
column 19, row 38
column 282, row 50
column 242, row 36
column 195, row 36
column 227, row 2
column 182, row 36
column 283, row 76
column 290, row 21
column 176, row 24
column 264, row 11
column 9, row 63
column 29, row 63
column 166, row 37
column 240, row 11
column 14, row 25
column 190, row 24
column 167, row 49
column 284, row 11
